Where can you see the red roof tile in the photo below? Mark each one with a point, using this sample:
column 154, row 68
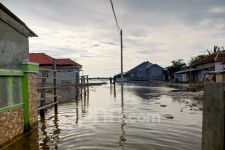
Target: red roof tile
column 67, row 62
column 44, row 59
column 40, row 58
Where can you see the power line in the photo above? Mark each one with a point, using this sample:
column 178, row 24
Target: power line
column 117, row 24
column 121, row 43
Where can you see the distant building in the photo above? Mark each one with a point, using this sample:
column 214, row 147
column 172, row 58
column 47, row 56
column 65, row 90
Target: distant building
column 67, row 69
column 215, row 76
column 211, row 64
column 67, row 73
column 147, row 71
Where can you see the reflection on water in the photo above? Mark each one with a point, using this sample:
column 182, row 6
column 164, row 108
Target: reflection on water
column 47, row 136
column 117, row 117
column 123, row 117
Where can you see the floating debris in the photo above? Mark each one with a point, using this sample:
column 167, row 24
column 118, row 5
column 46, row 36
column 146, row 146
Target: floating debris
column 194, row 104
column 163, row 105
column 168, row 116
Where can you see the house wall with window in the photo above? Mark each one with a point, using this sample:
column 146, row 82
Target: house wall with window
column 18, row 111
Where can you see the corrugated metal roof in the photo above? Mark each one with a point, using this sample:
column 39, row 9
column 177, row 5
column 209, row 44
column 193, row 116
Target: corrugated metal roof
column 145, row 63
column 215, row 72
column 188, row 70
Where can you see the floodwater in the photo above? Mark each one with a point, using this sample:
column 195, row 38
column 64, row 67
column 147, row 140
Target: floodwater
column 110, row 119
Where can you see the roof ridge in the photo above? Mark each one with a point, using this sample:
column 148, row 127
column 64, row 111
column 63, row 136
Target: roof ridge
column 11, row 14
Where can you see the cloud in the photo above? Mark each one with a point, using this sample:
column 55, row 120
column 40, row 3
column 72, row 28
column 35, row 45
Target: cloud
column 154, row 30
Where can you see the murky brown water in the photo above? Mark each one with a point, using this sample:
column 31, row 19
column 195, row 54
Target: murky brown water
column 103, row 121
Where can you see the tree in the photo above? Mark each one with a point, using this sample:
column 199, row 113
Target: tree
column 196, row 59
column 215, row 49
column 177, row 65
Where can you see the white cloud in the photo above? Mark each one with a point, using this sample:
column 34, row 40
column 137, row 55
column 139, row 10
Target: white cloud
column 158, row 31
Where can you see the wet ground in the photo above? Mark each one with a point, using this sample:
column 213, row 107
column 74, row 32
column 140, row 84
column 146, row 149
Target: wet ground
column 140, row 117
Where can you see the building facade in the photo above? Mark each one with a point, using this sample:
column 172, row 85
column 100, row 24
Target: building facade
column 18, row 109
column 197, row 73
column 147, row 71
column 68, row 72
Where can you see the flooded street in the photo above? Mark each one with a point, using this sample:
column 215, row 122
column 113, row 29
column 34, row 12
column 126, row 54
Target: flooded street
column 105, row 120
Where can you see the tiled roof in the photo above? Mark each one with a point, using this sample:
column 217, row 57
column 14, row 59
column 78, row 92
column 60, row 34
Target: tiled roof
column 67, row 62
column 44, row 59
column 215, row 57
column 40, row 58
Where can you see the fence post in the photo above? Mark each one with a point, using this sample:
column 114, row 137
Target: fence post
column 54, row 82
column 213, row 117
column 43, row 92
column 81, row 85
column 76, row 86
column 87, row 84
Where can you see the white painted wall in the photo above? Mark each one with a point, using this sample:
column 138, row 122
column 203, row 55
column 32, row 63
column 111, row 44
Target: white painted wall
column 219, row 66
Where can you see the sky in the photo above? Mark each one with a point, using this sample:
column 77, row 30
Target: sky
column 155, row 30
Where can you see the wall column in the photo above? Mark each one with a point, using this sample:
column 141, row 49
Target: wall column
column 29, row 82
column 213, row 117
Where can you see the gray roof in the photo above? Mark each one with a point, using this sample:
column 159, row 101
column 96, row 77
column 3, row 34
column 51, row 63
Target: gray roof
column 216, row 72
column 145, row 63
column 185, row 71
column 30, row 33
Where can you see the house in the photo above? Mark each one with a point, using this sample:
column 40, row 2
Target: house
column 67, row 69
column 213, row 63
column 147, row 71
column 215, row 76
column 18, row 111
column 67, row 73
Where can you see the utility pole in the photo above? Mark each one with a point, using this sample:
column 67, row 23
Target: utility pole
column 121, row 40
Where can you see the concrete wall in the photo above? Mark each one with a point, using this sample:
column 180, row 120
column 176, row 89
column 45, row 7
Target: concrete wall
column 13, row 47
column 18, row 111
column 10, row 91
column 182, row 77
column 219, row 66
column 213, row 117
column 65, row 75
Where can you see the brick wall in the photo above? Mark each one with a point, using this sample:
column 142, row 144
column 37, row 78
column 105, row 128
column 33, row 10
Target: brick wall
column 33, row 104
